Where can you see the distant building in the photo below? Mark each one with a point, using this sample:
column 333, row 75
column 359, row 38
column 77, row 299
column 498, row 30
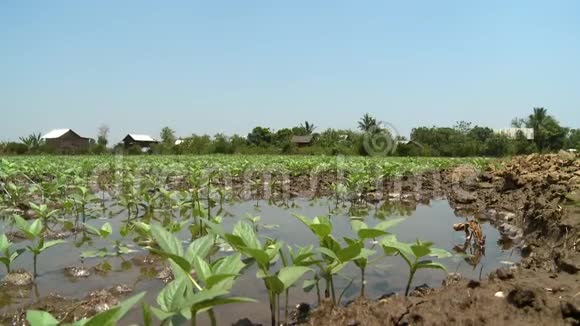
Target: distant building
column 301, row 141
column 66, row 140
column 143, row 141
column 179, row 141
column 512, row 133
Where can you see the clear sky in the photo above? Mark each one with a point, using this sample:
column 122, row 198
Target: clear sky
column 227, row 66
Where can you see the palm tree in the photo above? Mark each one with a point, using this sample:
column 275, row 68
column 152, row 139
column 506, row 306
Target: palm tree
column 367, row 123
column 33, row 141
column 308, row 128
column 536, row 121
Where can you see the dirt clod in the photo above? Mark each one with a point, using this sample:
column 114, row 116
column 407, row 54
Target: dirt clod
column 522, row 297
column 570, row 310
column 504, row 274
column 529, row 196
column 18, row 278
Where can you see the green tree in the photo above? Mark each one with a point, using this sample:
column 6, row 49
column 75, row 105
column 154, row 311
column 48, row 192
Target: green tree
column 260, row 136
column 522, row 145
column 282, row 137
column 103, row 136
column 367, row 123
column 308, row 128
column 221, row 144
column 32, row 142
column 167, row 136
column 497, row 145
column 536, row 121
column 573, row 139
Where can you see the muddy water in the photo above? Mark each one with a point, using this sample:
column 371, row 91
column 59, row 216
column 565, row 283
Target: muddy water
column 431, row 222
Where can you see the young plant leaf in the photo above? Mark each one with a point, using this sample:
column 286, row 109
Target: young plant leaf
column 389, row 224
column 291, row 274
column 41, row 318
column 166, row 241
column 427, row 264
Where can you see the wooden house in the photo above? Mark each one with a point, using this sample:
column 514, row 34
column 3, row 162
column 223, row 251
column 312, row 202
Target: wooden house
column 143, row 141
column 66, row 140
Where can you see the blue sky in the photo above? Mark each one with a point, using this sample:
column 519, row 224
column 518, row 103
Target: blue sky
column 227, row 66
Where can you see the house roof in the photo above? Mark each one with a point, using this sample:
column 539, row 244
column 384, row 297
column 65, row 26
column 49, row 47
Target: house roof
column 512, row 132
column 301, row 139
column 57, row 133
column 137, row 137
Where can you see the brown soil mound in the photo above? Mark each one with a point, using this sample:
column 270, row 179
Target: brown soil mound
column 535, row 194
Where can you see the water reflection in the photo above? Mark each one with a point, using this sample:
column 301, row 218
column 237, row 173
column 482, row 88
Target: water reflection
column 426, row 220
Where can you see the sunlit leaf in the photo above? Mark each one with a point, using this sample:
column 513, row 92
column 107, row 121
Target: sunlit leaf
column 40, row 318
column 289, row 275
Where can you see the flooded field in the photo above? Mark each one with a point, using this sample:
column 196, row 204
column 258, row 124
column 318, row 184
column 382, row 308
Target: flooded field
column 429, row 222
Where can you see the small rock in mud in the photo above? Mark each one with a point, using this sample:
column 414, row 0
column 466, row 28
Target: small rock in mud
column 452, row 278
column 245, row 322
column 506, row 216
column 492, row 214
column 527, row 251
column 570, row 265
column 77, row 272
column 504, row 274
column 486, row 185
column 421, row 291
column 100, row 301
column 146, row 260
column 473, row 284
column 121, row 289
column 394, row 195
column 18, row 278
column 464, row 197
column 570, row 310
column 387, row 296
column 522, row 298
column 352, row 322
column 166, row 275
column 300, row 314
column 511, row 231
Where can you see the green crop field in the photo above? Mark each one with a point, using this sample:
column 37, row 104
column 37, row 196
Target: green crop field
column 170, row 207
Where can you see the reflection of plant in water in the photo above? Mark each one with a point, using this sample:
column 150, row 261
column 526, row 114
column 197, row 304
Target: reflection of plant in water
column 147, row 199
column 395, row 208
column 118, row 248
column 473, row 253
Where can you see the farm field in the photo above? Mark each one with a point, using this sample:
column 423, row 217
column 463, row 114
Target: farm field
column 267, row 239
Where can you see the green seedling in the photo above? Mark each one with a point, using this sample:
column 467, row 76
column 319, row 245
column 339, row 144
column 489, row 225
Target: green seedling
column 8, row 256
column 412, row 254
column 334, row 257
column 365, row 233
column 107, row 318
column 244, row 239
column 43, row 213
column 186, row 296
column 33, row 232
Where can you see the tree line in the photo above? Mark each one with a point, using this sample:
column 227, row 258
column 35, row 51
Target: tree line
column 460, row 140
